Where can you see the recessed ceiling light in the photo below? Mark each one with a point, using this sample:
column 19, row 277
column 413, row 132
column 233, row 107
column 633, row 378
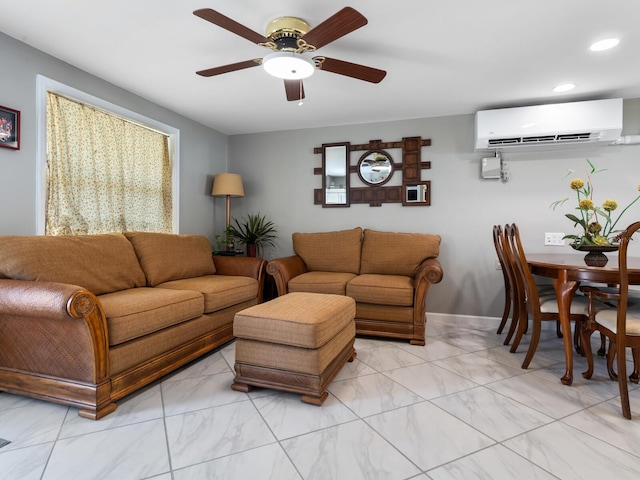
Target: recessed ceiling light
column 605, row 44
column 565, row 87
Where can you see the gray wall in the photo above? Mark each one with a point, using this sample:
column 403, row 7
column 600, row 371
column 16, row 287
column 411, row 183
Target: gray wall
column 203, row 151
column 277, row 169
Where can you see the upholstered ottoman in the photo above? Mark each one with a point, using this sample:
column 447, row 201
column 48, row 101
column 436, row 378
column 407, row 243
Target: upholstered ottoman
column 297, row 342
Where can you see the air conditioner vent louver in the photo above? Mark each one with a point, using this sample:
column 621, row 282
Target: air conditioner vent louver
column 560, row 124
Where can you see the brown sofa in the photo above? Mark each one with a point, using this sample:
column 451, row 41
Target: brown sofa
column 86, row 320
column 388, row 275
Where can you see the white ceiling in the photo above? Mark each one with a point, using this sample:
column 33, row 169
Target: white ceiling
column 442, row 57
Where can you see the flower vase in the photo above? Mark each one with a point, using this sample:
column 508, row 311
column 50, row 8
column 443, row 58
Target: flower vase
column 596, row 253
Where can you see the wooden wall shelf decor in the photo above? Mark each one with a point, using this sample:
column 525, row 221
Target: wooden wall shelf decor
column 413, row 192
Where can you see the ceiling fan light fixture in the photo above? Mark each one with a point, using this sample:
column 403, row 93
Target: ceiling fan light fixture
column 288, row 65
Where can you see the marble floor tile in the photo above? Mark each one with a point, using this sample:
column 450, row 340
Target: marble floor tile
column 208, row 365
column 353, row 369
column 570, row 454
column 37, row 422
column 503, row 355
column 427, row 435
column 352, row 451
column 129, row 452
column 24, row 463
column 372, row 394
column 605, row 421
column 201, row 392
column 287, row 416
column 139, row 407
column 477, row 368
column 433, row 350
column 215, row 432
column 495, row 415
column 493, row 463
column 262, row 463
column 387, row 357
column 547, row 396
column 470, row 341
column 430, row 381
column 458, row 407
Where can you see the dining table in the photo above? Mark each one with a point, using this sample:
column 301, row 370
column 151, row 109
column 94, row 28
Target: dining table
column 568, row 271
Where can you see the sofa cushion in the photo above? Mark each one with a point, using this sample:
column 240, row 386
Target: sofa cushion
column 321, row 282
column 166, row 256
column 219, row 291
column 305, row 320
column 391, row 253
column 330, row 251
column 100, row 263
column 139, row 311
column 382, row 289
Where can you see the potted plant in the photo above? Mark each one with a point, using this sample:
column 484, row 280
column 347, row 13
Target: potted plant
column 255, row 231
column 224, row 243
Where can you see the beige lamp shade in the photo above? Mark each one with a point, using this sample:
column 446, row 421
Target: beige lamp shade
column 227, row 184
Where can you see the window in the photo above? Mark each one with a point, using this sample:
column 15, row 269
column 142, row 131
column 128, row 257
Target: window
column 102, row 168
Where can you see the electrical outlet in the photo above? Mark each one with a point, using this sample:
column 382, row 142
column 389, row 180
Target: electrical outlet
column 553, row 238
column 498, row 266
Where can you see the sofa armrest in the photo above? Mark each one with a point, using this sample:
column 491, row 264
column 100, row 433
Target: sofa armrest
column 284, row 269
column 53, row 329
column 253, row 267
column 428, row 273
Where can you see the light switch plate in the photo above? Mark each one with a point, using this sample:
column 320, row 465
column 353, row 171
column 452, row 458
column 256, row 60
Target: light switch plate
column 554, row 238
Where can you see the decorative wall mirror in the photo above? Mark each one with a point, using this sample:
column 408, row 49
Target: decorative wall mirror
column 375, row 167
column 335, row 174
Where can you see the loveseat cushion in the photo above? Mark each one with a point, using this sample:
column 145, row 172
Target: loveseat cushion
column 382, row 289
column 100, row 263
column 165, row 256
column 137, row 312
column 321, row 282
column 337, row 251
column 219, row 291
column 391, row 253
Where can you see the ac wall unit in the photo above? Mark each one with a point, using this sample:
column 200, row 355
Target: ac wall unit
column 571, row 124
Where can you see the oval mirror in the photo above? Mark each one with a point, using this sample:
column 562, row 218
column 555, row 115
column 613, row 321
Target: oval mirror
column 375, row 167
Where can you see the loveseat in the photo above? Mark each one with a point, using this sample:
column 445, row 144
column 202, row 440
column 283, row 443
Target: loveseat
column 388, row 274
column 86, row 320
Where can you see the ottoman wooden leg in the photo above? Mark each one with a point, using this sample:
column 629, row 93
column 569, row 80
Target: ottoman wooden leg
column 353, row 357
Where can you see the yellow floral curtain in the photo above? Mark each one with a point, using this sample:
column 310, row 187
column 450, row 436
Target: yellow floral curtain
column 104, row 173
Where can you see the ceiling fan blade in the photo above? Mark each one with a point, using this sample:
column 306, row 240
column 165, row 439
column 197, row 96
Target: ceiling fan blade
column 338, row 25
column 294, row 89
column 353, row 70
column 231, row 25
column 232, row 67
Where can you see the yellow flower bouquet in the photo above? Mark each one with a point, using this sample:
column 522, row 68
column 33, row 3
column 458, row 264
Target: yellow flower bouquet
column 591, row 217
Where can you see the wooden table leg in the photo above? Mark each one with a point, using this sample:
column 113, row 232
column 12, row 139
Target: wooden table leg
column 564, row 292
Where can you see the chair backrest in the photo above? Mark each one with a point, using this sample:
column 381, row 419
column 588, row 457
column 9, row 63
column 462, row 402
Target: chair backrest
column 505, row 257
column 625, row 238
column 524, row 278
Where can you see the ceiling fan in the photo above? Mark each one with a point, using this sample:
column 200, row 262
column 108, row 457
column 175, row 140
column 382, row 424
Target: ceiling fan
column 290, row 39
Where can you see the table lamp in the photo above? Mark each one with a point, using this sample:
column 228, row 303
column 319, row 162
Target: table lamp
column 227, row 185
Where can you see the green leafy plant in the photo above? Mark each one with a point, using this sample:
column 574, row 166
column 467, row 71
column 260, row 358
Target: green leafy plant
column 254, row 229
column 223, row 240
column 590, row 216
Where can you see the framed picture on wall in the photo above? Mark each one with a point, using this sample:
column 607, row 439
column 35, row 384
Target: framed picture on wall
column 9, row 128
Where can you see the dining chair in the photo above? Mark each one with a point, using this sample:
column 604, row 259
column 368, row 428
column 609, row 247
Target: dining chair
column 514, row 296
column 540, row 306
column 511, row 304
column 620, row 324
